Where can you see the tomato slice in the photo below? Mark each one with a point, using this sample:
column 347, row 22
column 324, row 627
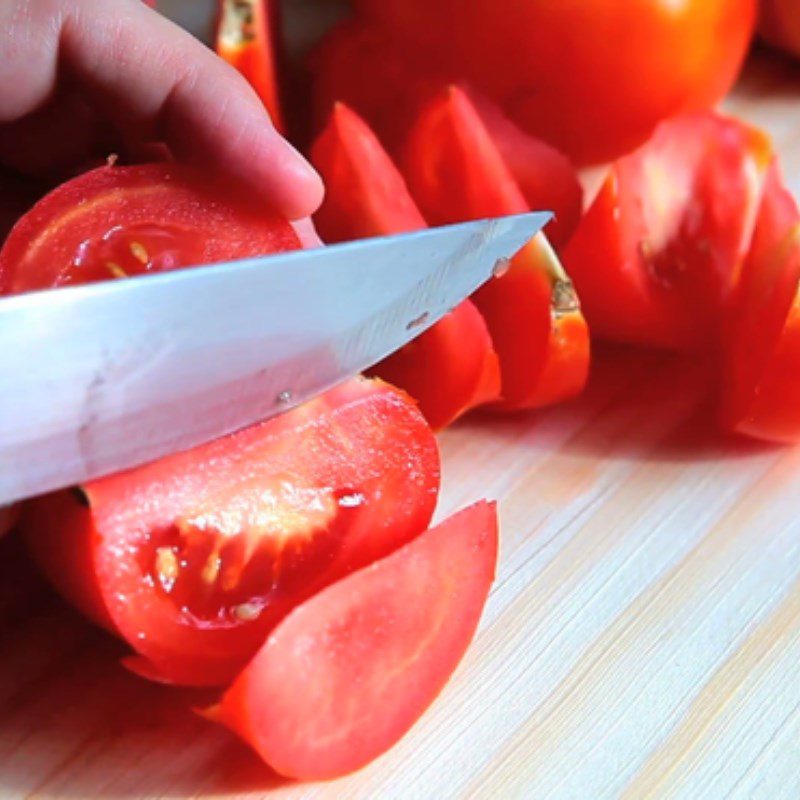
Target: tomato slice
column 118, row 221
column 761, row 384
column 658, row 255
column 246, row 38
column 346, row 674
column 194, row 558
column 450, row 368
column 456, row 173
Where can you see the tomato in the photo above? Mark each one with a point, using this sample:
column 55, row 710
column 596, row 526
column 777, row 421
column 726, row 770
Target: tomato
column 456, row 173
column 246, row 39
column 779, row 24
column 658, row 255
column 545, row 177
column 593, row 77
column 346, row 674
column 365, row 194
column 369, row 70
column 194, row 558
column 118, row 221
column 450, row 368
column 364, row 67
column 8, row 518
column 761, row 382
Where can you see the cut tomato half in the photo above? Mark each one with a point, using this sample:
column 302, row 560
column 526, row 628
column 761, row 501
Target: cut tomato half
column 657, row 257
column 115, row 222
column 246, row 38
column 761, row 384
column 194, row 558
column 456, row 173
column 346, row 674
column 450, row 368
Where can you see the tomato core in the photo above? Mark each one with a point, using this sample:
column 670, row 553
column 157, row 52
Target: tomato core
column 225, row 562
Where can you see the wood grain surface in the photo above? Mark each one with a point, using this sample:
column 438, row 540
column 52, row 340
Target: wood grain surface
column 642, row 638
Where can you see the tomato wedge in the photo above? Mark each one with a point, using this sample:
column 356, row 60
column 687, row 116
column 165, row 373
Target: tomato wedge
column 456, row 172
column 450, row 368
column 194, row 558
column 115, row 222
column 388, row 85
column 761, row 383
column 246, row 38
column 545, row 176
column 346, row 674
column 658, row 255
column 365, row 194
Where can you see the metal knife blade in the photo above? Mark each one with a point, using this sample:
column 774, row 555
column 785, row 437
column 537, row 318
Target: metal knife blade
column 95, row 379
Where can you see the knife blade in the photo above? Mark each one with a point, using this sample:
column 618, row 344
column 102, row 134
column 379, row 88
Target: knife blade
column 95, row 379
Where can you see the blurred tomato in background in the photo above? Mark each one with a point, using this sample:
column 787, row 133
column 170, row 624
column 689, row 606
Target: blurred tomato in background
column 593, row 77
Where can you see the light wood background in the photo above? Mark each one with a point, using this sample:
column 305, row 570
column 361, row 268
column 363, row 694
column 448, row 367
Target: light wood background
column 642, row 638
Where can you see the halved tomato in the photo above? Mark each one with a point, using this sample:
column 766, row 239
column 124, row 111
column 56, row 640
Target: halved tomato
column 657, row 257
column 761, row 383
column 194, row 558
column 116, row 221
column 246, row 38
column 450, row 368
column 456, row 173
column 346, row 674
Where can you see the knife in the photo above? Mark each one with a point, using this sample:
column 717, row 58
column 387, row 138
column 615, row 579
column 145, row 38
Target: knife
column 98, row 378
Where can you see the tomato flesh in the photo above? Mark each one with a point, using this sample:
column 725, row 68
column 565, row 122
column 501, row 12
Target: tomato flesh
column 193, row 558
column 658, row 256
column 452, row 367
column 117, row 221
column 456, row 173
column 346, row 674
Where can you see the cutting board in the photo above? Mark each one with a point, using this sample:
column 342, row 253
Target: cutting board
column 642, row 638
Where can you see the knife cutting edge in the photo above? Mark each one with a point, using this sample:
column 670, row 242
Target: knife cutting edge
column 108, row 376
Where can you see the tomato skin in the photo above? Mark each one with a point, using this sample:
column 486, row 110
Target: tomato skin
column 452, row 367
column 779, row 25
column 559, row 68
column 373, row 74
column 276, row 512
column 8, row 518
column 47, row 246
column 657, row 257
column 246, row 39
column 761, row 376
column 456, row 173
column 350, row 671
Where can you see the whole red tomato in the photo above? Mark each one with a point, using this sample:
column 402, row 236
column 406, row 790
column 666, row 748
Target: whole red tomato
column 591, row 76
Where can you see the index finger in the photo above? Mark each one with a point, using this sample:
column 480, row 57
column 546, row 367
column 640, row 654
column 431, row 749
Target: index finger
column 155, row 78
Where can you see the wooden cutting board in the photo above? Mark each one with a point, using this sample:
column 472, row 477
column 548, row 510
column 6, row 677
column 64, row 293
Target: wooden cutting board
column 642, row 638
